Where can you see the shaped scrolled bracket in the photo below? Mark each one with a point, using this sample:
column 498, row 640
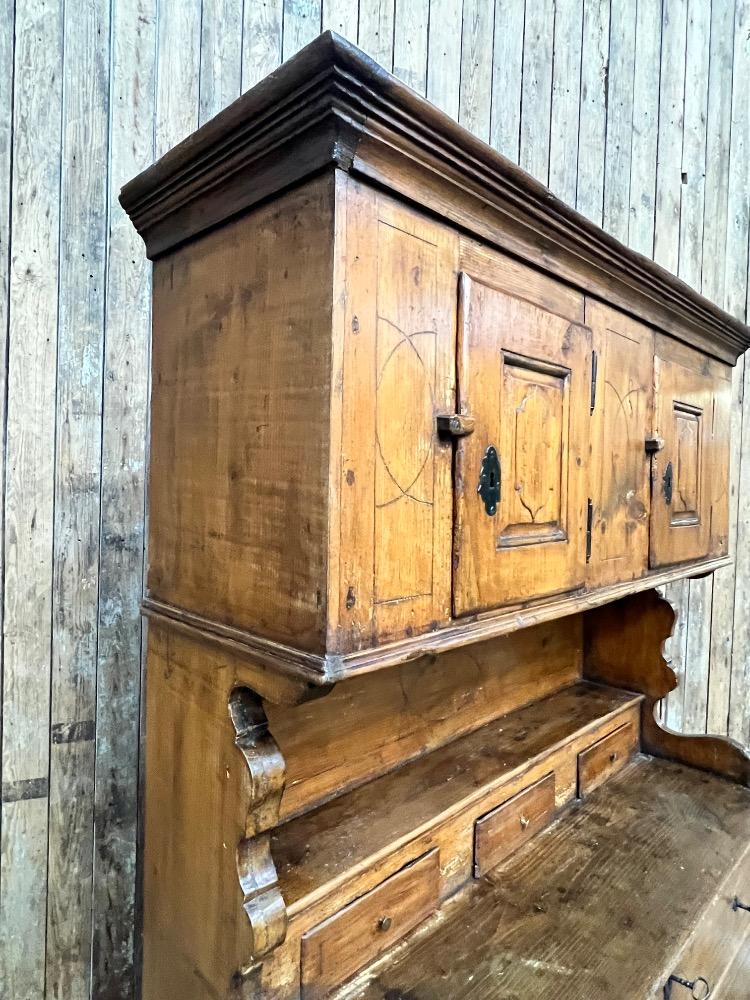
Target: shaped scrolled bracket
column 624, row 648
column 263, row 904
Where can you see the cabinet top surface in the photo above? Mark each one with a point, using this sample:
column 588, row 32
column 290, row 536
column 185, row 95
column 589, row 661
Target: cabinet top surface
column 333, row 106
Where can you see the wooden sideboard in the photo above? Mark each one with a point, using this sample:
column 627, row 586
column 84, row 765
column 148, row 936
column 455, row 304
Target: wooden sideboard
column 424, row 443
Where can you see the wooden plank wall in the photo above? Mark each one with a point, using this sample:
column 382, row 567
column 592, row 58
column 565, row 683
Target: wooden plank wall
column 637, row 113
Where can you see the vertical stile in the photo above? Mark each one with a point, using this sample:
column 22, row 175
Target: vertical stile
column 536, row 88
column 126, row 363
column 566, row 100
column 75, row 584
column 507, row 76
column 619, row 118
column 29, row 496
column 444, row 55
column 739, row 703
column 476, row 67
column 593, row 124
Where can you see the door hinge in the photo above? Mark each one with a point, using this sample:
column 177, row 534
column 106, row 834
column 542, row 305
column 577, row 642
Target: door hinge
column 594, row 368
column 589, row 525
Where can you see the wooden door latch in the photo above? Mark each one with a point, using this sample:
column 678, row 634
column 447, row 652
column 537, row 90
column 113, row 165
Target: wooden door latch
column 455, row 425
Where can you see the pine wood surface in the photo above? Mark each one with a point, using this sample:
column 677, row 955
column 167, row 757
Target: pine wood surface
column 142, row 84
column 589, row 908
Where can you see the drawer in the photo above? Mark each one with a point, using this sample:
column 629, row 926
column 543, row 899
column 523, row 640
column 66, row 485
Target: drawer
column 355, row 936
column 603, row 758
column 506, row 828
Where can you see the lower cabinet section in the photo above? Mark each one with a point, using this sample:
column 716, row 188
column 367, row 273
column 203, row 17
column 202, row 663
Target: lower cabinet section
column 355, row 936
column 506, row 828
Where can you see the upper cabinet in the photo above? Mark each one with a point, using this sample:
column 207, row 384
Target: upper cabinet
column 621, row 419
column 690, row 488
column 523, row 378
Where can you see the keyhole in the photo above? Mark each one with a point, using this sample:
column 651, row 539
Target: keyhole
column 492, row 480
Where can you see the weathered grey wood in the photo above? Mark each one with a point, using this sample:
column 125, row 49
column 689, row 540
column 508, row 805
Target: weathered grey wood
column 341, row 16
column 536, row 88
column 261, row 40
column 83, row 218
column 30, row 450
column 302, row 20
column 619, row 118
column 566, row 100
column 444, row 55
column 476, row 67
column 593, row 125
column 376, row 30
column 221, row 56
column 507, row 73
column 178, row 80
column 644, row 130
column 133, row 62
column 410, row 43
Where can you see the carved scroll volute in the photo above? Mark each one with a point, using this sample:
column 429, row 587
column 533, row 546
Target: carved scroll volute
column 263, row 903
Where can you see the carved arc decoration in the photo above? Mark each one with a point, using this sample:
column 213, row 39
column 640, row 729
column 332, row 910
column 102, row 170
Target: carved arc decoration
column 625, row 649
column 263, row 904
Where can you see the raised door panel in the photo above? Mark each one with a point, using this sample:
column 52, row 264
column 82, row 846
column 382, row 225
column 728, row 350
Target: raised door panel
column 690, row 473
column 398, row 373
column 621, row 419
column 520, row 477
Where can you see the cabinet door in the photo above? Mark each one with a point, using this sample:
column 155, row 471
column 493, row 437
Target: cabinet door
column 690, row 474
column 621, row 419
column 520, row 477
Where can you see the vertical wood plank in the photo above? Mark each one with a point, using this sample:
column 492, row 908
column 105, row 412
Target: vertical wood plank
column 592, row 132
column 178, row 77
column 566, row 100
column 410, row 43
column 712, row 282
column 29, row 498
column 739, row 699
column 476, row 67
column 376, row 30
column 507, row 77
column 444, row 55
column 341, row 16
column 221, row 56
column 536, row 88
column 301, row 24
column 669, row 156
column 645, row 117
column 619, row 118
column 261, row 39
column 121, row 528
column 83, row 221
column 722, row 695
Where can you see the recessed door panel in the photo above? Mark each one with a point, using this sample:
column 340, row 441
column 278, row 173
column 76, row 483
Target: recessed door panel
column 688, row 477
column 523, row 379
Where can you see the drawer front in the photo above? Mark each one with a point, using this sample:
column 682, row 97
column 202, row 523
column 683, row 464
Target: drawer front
column 506, row 828
column 605, row 757
column 350, row 939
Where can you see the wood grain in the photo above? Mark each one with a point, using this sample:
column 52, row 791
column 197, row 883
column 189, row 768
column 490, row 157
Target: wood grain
column 501, row 832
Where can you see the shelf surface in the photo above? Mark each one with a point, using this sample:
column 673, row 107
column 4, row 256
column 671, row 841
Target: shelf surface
column 598, row 905
column 319, row 848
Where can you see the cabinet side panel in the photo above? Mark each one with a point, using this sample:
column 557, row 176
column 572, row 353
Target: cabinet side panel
column 398, row 373
column 240, row 420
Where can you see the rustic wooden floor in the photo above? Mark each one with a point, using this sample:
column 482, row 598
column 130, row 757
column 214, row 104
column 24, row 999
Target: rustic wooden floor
column 636, row 114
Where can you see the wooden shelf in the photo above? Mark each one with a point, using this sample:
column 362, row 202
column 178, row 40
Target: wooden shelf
column 319, row 851
column 600, row 904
